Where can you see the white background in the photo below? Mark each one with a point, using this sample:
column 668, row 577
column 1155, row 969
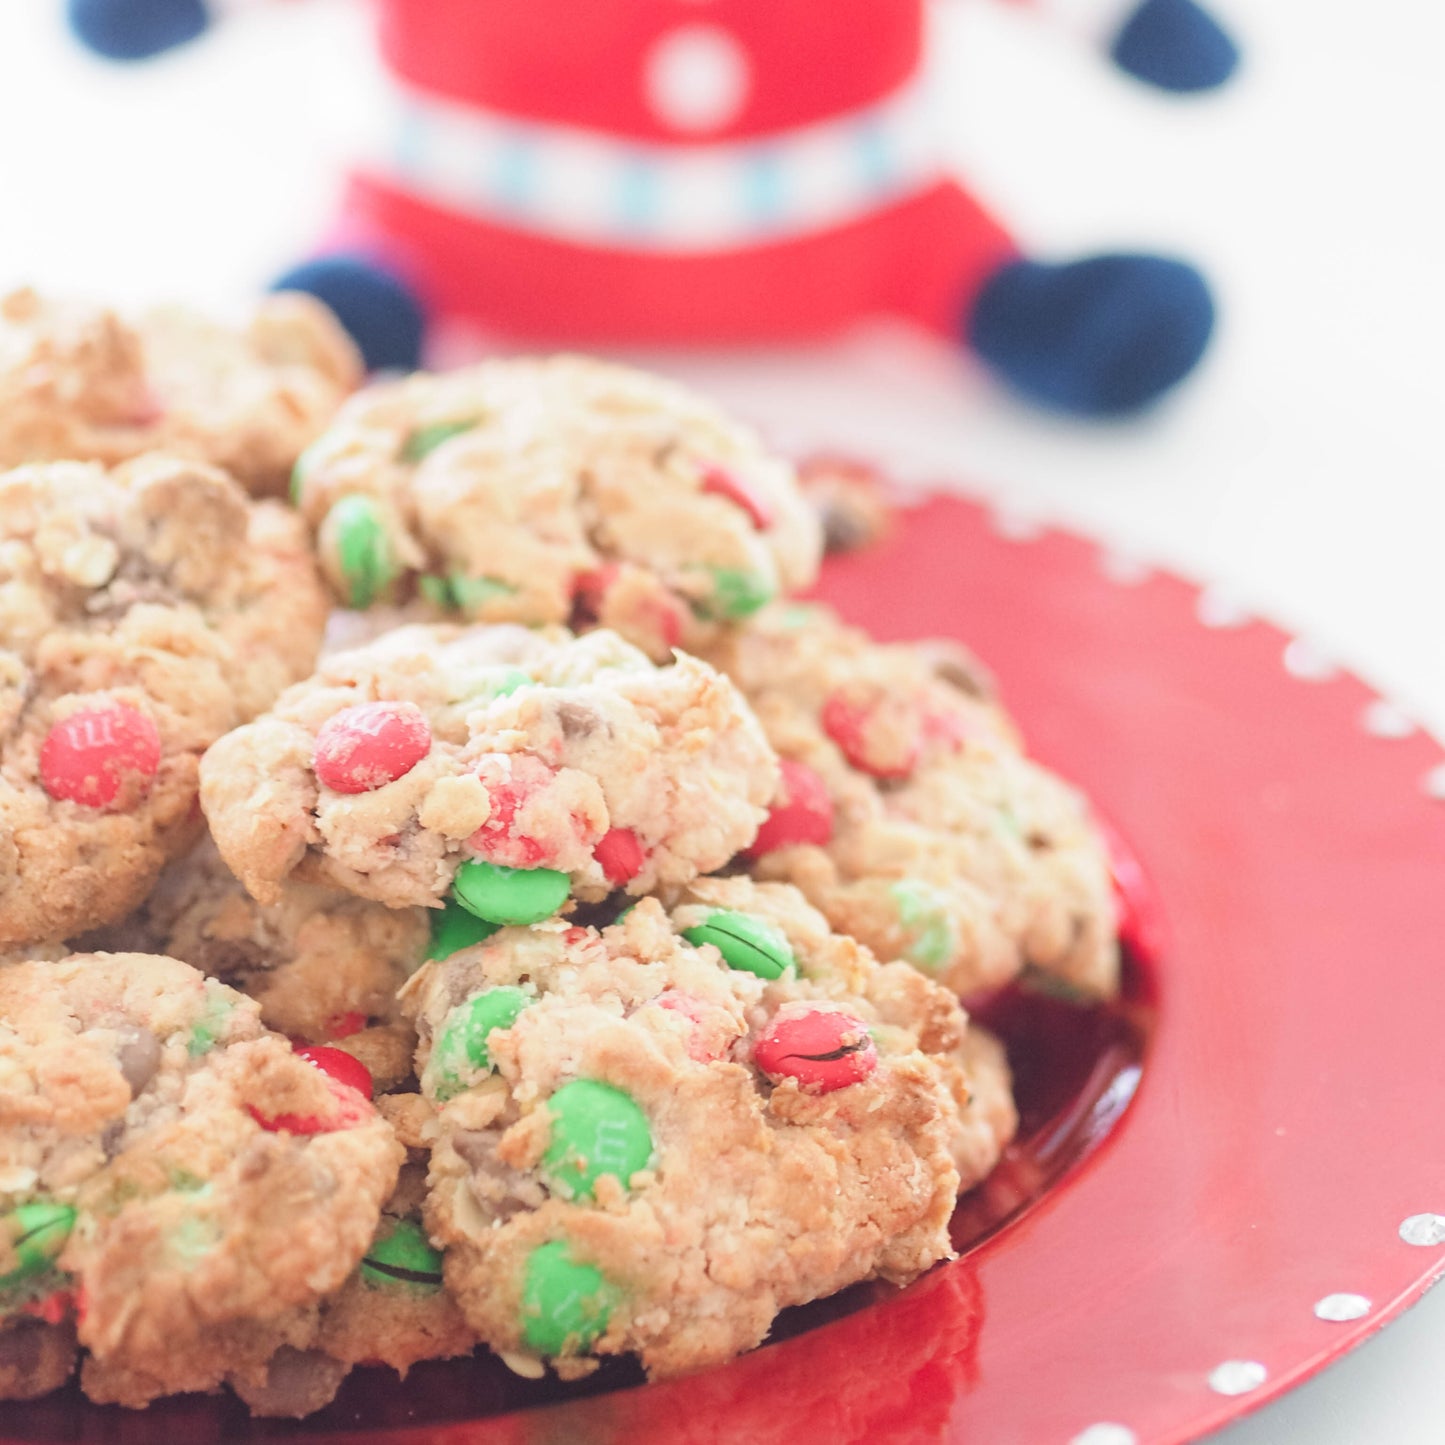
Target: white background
column 1302, row 468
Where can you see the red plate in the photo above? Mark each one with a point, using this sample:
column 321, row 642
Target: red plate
column 1263, row 1205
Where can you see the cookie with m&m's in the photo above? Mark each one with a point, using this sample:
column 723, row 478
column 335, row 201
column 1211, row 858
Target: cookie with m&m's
column 395, row 1309
column 323, row 965
column 177, row 1185
column 83, row 383
column 144, row 611
column 909, row 812
column 560, row 490
column 501, row 769
column 652, row 1136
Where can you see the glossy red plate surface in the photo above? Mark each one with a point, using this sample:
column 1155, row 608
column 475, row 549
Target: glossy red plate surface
column 1284, row 1126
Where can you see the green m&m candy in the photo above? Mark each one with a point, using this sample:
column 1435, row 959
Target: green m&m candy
column 596, row 1130
column 507, row 682
column 483, row 684
column 735, row 593
column 747, row 943
column 207, row 1029
column 424, row 440
column 303, row 465
column 796, row 615
column 510, row 895
column 434, row 589
column 474, row 593
column 403, row 1257
column 37, row 1233
column 453, row 928
column 565, row 1305
column 461, row 1044
column 932, row 935
column 468, row 594
column 191, row 1238
column 355, row 535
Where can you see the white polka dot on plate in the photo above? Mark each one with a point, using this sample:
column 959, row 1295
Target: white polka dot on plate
column 1015, row 525
column 1105, row 1433
column 1338, row 1308
column 1382, row 719
column 1127, row 571
column 1306, row 662
column 1434, row 782
column 1424, row 1229
column 1237, row 1377
column 1214, row 607
column 696, row 78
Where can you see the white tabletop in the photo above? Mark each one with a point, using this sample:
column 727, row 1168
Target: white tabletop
column 1302, row 468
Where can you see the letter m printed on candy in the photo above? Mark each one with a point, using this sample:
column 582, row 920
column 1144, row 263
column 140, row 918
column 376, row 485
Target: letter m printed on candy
column 613, row 1149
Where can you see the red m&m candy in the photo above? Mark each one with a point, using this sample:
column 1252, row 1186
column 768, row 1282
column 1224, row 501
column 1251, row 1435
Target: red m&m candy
column 875, row 732
column 663, row 616
column 721, row 482
column 339, row 1065
column 802, row 814
column 96, row 752
column 512, row 780
column 350, row 1083
column 699, row 1049
column 588, row 590
column 54, row 1308
column 640, row 607
column 946, row 729
column 365, row 747
column 620, row 856
column 822, row 1051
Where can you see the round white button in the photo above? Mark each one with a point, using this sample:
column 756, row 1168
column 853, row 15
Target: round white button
column 696, row 78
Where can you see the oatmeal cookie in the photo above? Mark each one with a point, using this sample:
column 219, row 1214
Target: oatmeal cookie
column 909, row 813
column 174, row 1180
column 555, row 491
column 79, row 382
column 506, row 768
column 395, row 1309
column 653, row 1137
column 850, row 499
column 912, row 1011
column 323, row 965
column 144, row 611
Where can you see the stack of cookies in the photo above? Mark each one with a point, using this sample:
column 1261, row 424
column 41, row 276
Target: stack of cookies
column 471, row 906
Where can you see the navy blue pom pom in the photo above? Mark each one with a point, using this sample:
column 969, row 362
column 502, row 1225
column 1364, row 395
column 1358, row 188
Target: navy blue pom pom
column 1099, row 337
column 136, row 29
column 380, row 311
column 1175, row 45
